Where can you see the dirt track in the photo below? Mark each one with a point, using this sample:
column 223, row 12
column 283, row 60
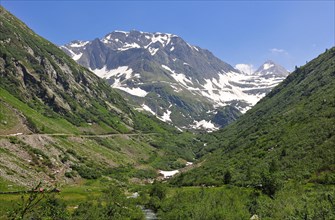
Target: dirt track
column 77, row 135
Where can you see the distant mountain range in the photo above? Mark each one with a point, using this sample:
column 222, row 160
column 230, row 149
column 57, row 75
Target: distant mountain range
column 182, row 84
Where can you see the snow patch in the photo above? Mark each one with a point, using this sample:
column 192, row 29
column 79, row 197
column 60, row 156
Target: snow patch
column 148, row 109
column 179, row 77
column 168, row 174
column 245, row 68
column 164, row 39
column 166, row 116
column 126, row 73
column 79, row 44
column 121, row 70
column 204, row 124
column 77, row 56
column 133, row 91
column 176, row 89
column 267, row 66
column 127, row 46
column 123, row 32
column 189, row 163
column 153, row 51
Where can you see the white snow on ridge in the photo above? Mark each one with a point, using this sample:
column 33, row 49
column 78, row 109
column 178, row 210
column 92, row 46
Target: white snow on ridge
column 192, row 47
column 267, row 66
column 133, row 91
column 165, row 117
column 179, row 77
column 167, row 68
column 147, row 108
column 105, row 41
column 153, row 51
column 245, row 68
column 127, row 46
column 226, row 88
column 218, row 90
column 124, row 32
column 121, row 70
column 109, row 37
column 77, row 56
column 176, row 89
column 71, row 52
column 164, row 39
column 221, row 90
column 79, row 44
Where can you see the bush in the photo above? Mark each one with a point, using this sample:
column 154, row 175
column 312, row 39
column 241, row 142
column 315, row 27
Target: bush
column 227, row 177
column 269, row 184
column 70, row 174
column 86, row 172
column 32, row 125
column 145, row 174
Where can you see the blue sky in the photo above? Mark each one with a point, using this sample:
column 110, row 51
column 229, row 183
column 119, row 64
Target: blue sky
column 288, row 32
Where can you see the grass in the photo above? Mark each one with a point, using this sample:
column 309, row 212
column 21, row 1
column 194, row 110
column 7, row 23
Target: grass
column 85, row 190
column 7, row 117
column 7, row 200
column 46, row 124
column 118, row 150
column 72, row 195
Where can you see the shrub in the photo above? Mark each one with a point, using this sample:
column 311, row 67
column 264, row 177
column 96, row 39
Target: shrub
column 86, row 172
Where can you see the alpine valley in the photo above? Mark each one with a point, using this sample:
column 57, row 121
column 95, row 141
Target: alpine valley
column 72, row 147
column 179, row 83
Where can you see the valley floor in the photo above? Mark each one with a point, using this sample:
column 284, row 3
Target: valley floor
column 293, row 201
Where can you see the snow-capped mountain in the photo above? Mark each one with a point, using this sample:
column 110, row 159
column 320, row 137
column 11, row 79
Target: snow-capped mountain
column 271, row 70
column 178, row 82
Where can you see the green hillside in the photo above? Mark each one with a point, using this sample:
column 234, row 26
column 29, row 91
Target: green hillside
column 289, row 133
column 59, row 122
column 61, row 126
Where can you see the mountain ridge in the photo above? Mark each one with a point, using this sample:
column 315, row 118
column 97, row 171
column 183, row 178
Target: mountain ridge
column 193, row 84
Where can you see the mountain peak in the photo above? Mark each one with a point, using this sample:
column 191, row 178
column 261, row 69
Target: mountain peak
column 137, row 33
column 271, row 69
